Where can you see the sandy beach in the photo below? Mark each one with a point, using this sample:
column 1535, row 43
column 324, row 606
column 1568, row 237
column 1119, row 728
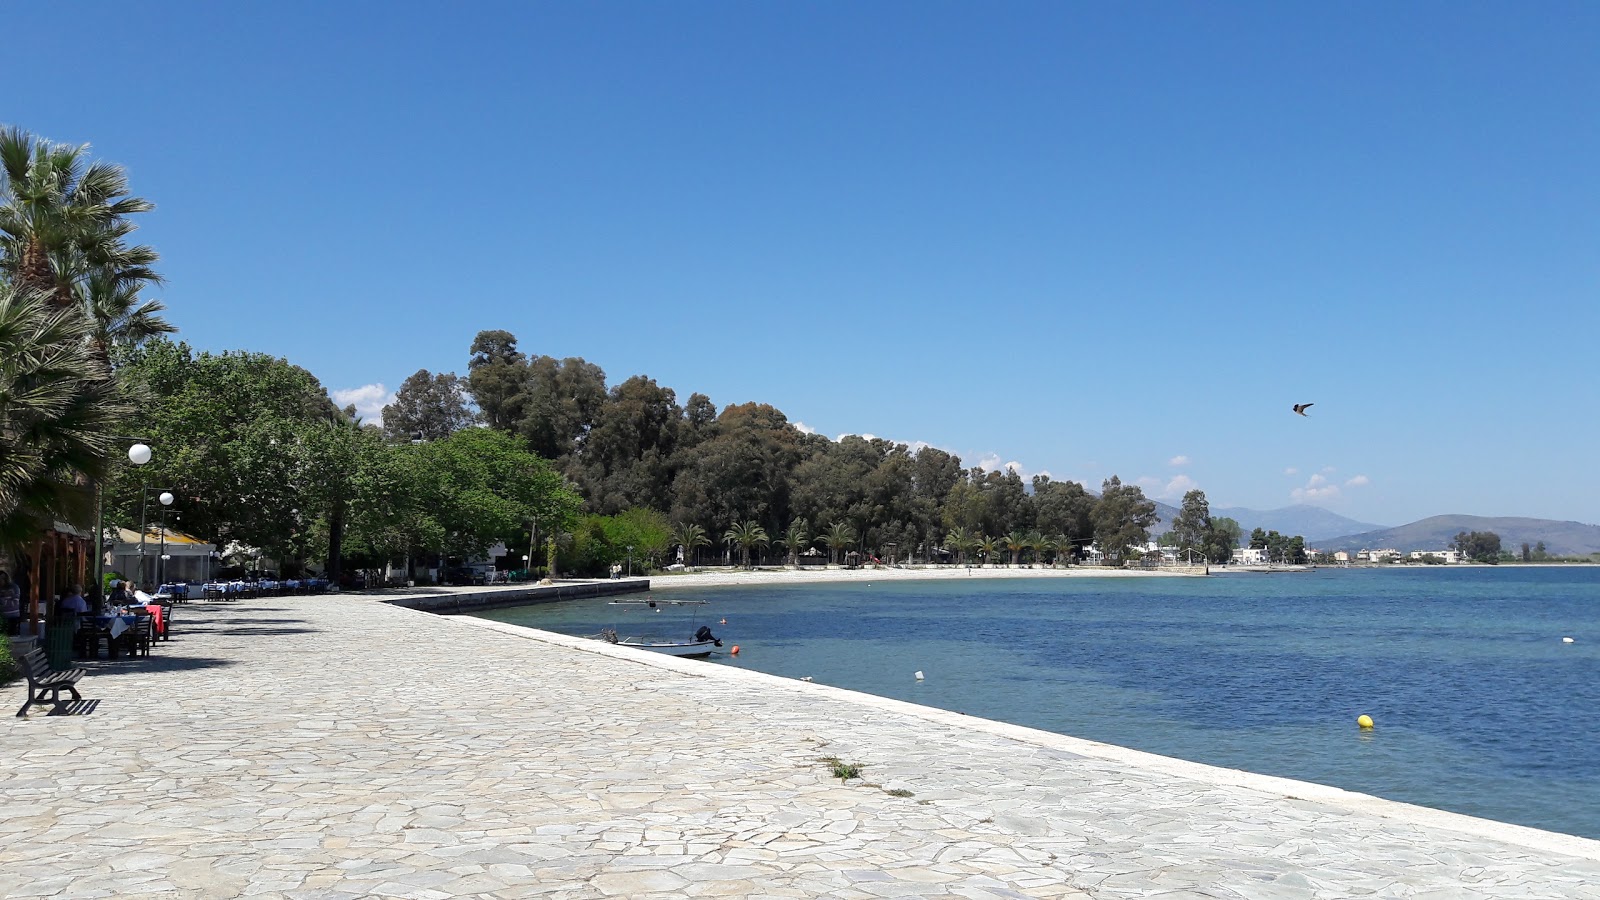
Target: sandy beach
column 723, row 577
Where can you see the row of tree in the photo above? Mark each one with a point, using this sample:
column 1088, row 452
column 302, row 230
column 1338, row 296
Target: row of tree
column 526, row 450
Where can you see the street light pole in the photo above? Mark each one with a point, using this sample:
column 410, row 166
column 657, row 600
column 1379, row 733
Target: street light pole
column 138, row 455
column 144, row 506
column 630, row 560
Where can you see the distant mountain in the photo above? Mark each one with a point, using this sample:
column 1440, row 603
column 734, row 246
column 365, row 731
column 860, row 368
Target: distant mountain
column 1313, row 523
column 1560, row 538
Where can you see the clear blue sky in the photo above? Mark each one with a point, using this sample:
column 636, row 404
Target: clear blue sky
column 1087, row 239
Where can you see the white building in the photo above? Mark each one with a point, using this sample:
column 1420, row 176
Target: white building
column 1249, row 556
column 1451, row 557
column 168, row 556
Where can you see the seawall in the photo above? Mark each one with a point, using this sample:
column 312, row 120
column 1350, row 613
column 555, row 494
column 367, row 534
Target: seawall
column 458, row 601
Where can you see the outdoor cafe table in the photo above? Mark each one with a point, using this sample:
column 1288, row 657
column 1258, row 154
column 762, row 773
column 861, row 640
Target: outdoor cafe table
column 117, row 624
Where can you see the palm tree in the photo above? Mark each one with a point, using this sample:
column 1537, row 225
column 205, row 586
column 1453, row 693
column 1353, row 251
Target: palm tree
column 987, row 546
column 63, row 217
column 690, row 537
column 747, row 535
column 839, row 536
column 1016, row 542
column 958, row 538
column 57, row 408
column 1040, row 545
column 795, row 538
column 120, row 317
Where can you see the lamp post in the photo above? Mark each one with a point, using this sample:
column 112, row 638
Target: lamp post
column 630, row 560
column 527, row 574
column 138, row 454
column 166, row 499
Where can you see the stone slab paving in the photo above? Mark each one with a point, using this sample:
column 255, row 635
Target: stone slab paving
column 338, row 747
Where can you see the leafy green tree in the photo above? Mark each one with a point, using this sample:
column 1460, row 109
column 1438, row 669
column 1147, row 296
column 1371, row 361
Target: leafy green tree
column 1479, row 546
column 627, row 458
column 428, row 407
column 563, row 403
column 497, row 376
column 234, row 440
column 485, row 488
column 741, row 472
column 1122, row 518
column 1191, row 528
column 1065, row 508
column 1222, row 539
column 56, row 410
column 747, row 535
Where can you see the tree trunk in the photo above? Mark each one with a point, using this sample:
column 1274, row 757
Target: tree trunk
column 335, row 541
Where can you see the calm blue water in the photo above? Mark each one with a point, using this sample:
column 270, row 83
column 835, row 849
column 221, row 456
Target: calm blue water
column 1480, row 707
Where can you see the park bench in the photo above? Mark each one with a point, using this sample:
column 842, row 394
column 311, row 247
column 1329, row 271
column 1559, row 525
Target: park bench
column 36, row 666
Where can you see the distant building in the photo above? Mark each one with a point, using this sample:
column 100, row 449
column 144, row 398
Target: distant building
column 1451, row 557
column 1385, row 555
column 1341, row 556
column 1249, row 556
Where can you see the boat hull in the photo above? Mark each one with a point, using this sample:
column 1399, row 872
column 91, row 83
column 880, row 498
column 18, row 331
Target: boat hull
column 685, row 649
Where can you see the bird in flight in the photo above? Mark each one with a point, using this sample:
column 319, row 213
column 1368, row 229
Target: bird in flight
column 1302, row 407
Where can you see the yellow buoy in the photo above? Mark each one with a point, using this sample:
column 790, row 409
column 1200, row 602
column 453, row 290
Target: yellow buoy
column 1364, row 721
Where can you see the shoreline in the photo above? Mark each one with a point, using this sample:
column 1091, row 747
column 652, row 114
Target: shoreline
column 722, row 577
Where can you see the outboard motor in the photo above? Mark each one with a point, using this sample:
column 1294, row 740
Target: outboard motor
column 704, row 634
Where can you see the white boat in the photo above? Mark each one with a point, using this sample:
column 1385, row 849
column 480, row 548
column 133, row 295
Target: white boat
column 698, row 647
column 653, row 602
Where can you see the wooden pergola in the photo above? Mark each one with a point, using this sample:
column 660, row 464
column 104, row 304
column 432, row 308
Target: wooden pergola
column 55, row 559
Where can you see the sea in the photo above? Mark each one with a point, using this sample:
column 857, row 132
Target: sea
column 1479, row 704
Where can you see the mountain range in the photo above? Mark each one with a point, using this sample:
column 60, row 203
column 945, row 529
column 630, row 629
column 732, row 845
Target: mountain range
column 1436, row 532
column 1326, row 530
column 1311, row 522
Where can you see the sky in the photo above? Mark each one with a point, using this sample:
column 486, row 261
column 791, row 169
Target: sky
column 1081, row 239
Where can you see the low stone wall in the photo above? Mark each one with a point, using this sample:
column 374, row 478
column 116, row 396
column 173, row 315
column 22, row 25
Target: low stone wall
column 473, row 600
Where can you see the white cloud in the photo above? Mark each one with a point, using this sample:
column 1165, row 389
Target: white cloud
column 1291, row 471
column 1179, row 460
column 1358, row 481
column 990, row 462
column 369, row 401
column 1168, row 489
column 1317, row 488
column 803, row 428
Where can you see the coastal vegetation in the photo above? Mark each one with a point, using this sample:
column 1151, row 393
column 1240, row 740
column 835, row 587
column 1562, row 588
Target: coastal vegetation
column 525, row 450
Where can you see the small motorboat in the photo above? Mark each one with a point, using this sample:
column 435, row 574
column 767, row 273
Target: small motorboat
column 699, row 647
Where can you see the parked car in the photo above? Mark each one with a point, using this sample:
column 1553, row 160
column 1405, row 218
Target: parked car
column 461, row 575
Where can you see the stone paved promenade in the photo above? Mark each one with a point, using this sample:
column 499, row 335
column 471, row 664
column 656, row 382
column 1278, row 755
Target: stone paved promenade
column 340, row 747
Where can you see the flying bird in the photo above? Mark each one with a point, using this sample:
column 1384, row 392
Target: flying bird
column 1302, row 407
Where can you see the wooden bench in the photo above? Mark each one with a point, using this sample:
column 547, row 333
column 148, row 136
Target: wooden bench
column 36, row 666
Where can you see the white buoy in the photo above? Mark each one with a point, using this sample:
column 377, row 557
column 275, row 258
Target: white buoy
column 919, row 674
column 1566, row 640
column 805, row 677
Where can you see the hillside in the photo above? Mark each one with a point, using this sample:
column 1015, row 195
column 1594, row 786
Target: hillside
column 1435, row 533
column 1312, row 522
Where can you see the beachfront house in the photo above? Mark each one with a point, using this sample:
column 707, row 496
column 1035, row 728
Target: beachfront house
column 1450, row 557
column 1249, row 556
